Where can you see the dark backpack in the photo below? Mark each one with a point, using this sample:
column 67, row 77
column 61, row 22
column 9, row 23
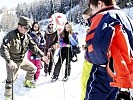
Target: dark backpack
column 75, row 49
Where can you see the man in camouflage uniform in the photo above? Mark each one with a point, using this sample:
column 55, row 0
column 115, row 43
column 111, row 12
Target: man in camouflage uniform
column 13, row 49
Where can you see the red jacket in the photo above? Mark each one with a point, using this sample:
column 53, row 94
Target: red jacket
column 123, row 60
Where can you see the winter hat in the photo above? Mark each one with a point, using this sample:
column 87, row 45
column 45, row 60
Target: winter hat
column 25, row 21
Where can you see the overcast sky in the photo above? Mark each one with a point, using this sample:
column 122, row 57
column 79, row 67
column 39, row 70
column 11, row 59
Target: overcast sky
column 12, row 3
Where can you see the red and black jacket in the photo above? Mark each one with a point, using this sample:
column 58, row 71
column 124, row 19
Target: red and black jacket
column 111, row 35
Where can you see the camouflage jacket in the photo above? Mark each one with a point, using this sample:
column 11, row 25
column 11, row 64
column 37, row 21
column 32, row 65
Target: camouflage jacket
column 15, row 46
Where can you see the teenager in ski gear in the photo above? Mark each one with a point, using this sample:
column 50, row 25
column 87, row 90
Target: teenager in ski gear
column 39, row 40
column 51, row 38
column 111, row 38
column 15, row 45
column 66, row 41
column 87, row 66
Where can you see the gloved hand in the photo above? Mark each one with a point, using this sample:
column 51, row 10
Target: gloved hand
column 12, row 65
column 45, row 59
column 124, row 95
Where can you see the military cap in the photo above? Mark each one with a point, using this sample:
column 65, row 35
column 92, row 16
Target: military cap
column 25, row 21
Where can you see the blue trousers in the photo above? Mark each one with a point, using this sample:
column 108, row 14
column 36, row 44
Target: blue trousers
column 98, row 87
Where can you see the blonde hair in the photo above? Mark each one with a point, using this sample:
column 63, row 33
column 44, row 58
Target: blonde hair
column 64, row 30
column 70, row 27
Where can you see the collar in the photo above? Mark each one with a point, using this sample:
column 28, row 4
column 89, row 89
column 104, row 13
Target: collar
column 113, row 7
column 19, row 35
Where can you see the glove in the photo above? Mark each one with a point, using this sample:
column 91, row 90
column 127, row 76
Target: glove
column 45, row 59
column 124, row 95
column 12, row 65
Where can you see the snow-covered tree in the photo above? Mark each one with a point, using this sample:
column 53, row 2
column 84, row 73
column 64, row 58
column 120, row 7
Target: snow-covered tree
column 9, row 21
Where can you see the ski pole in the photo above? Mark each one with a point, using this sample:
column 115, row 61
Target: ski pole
column 12, row 85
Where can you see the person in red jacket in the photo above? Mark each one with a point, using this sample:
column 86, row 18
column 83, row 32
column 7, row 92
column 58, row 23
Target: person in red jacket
column 109, row 48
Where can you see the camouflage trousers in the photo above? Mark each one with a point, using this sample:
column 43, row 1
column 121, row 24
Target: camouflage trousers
column 25, row 65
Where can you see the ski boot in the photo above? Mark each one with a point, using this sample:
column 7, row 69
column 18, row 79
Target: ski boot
column 9, row 98
column 29, row 84
column 65, row 79
column 54, row 78
column 45, row 74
